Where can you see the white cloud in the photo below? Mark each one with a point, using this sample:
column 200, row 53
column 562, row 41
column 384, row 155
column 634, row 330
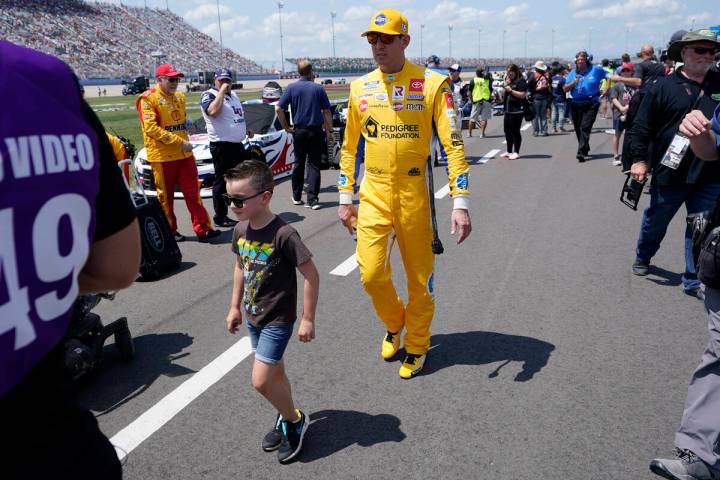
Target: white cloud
column 358, row 12
column 575, row 4
column 514, row 11
column 631, row 8
column 205, row 12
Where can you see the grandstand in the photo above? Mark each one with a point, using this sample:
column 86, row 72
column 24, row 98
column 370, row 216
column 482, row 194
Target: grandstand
column 363, row 65
column 101, row 40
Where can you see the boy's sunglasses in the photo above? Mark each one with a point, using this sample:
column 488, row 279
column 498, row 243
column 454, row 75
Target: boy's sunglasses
column 385, row 38
column 238, row 202
column 704, row 50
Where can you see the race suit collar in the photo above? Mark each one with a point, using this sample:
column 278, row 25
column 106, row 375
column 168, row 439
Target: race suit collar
column 389, row 77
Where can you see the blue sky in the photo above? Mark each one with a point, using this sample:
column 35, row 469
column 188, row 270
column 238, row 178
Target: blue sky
column 252, row 28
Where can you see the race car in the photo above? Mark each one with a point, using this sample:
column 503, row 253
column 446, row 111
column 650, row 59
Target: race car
column 270, row 144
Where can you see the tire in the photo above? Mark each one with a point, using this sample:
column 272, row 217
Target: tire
column 124, row 344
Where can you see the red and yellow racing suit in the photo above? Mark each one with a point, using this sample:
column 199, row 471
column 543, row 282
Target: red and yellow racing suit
column 391, row 118
column 163, row 124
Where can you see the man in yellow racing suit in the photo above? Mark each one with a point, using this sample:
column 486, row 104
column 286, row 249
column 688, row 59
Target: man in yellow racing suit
column 392, row 113
column 169, row 152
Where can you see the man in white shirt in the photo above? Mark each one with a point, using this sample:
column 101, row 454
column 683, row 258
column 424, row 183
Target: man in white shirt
column 225, row 120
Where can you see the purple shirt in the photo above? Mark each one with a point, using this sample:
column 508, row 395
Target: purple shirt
column 48, row 184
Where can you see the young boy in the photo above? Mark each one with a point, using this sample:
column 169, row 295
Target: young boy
column 621, row 97
column 265, row 289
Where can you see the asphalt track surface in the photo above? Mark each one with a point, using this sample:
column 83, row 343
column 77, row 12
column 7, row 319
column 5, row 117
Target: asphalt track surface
column 549, row 359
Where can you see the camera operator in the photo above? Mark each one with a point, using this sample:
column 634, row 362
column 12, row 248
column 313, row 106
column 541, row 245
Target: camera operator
column 67, row 227
column 679, row 176
column 696, row 439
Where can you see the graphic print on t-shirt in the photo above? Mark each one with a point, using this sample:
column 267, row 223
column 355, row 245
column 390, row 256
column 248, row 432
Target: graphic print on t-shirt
column 256, row 263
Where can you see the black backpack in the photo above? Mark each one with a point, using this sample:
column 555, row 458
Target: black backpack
column 706, row 245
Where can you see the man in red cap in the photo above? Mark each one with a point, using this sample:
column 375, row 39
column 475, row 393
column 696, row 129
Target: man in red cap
column 169, row 152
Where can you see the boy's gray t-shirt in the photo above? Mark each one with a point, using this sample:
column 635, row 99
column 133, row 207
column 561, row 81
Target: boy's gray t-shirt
column 269, row 257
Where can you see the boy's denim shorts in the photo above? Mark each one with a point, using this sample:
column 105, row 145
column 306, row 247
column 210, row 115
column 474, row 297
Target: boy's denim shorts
column 269, row 342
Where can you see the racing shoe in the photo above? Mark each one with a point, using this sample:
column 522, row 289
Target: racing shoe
column 274, row 437
column 224, row 222
column 686, row 467
column 293, row 434
column 179, row 237
column 412, row 365
column 390, row 345
column 205, row 238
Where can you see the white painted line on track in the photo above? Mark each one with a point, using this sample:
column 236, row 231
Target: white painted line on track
column 345, row 267
column 127, row 439
column 443, row 191
column 525, row 127
column 491, row 154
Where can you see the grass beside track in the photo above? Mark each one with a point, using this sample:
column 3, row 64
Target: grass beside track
column 118, row 114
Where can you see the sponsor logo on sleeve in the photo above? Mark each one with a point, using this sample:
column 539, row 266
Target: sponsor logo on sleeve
column 449, row 100
column 414, row 172
column 398, row 92
column 461, row 181
column 342, row 180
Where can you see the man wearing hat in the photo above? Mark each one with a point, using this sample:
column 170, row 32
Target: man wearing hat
column 677, row 177
column 169, row 152
column 392, row 112
column 226, row 128
column 539, row 90
column 480, row 93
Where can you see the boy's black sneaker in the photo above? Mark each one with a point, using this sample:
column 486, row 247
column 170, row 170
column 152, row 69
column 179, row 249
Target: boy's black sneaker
column 293, row 434
column 640, row 267
column 274, row 437
column 208, row 235
column 225, row 222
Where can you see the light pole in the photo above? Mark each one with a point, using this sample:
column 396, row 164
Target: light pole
column 332, row 22
column 503, row 45
column 220, row 32
column 552, row 44
column 479, row 34
column 282, row 55
column 525, row 44
column 450, row 41
column 422, row 27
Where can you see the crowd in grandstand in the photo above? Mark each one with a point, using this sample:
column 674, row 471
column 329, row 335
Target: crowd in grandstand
column 100, row 40
column 346, row 64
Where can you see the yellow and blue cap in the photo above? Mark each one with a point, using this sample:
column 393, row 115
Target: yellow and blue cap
column 388, row 21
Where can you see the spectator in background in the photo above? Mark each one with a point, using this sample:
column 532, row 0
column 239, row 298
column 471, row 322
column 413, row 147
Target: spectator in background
column 226, row 128
column 169, row 151
column 605, row 86
column 310, row 110
column 514, row 93
column 479, row 89
column 559, row 100
column 96, row 250
column 456, row 87
column 584, row 84
column 682, row 178
column 621, row 97
column 539, row 93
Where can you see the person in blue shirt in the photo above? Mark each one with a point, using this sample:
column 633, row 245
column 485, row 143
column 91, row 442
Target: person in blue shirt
column 559, row 100
column 584, row 84
column 310, row 110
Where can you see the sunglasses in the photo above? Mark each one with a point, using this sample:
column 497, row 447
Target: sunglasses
column 239, row 202
column 704, row 50
column 172, row 79
column 385, row 38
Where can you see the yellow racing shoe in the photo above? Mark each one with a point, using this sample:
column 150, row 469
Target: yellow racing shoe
column 390, row 345
column 412, row 365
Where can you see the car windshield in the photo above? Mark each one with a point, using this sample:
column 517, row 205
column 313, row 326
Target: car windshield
column 259, row 118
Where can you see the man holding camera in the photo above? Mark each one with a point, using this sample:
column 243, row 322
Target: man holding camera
column 226, row 128
column 679, row 176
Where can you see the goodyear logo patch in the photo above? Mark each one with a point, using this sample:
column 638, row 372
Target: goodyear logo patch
column 461, row 181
